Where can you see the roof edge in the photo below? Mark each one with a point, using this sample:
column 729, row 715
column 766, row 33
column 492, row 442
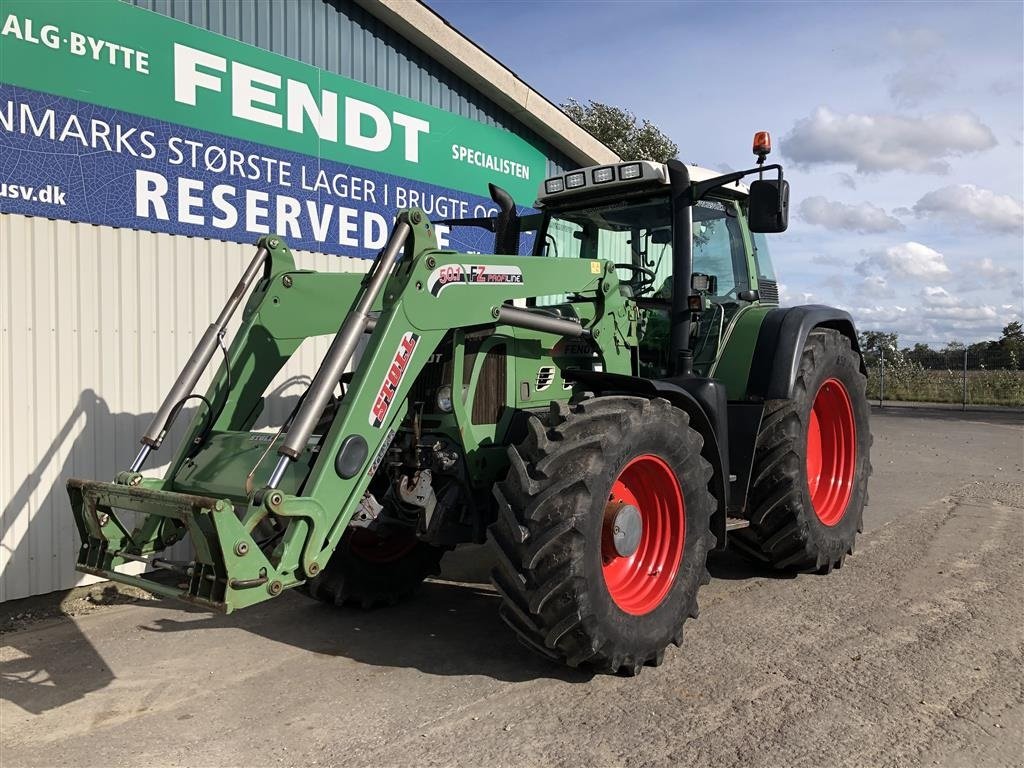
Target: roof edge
column 431, row 33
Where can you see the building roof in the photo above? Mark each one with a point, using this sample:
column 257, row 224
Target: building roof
column 432, row 34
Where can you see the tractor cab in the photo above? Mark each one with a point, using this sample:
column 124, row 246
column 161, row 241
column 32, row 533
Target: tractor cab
column 628, row 213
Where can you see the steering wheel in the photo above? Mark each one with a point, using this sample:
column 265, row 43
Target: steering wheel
column 643, row 279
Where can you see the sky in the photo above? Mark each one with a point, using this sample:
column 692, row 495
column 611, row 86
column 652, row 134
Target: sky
column 900, row 127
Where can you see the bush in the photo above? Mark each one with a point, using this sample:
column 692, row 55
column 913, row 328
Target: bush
column 909, row 381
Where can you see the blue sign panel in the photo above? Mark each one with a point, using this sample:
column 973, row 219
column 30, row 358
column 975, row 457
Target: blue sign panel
column 66, row 159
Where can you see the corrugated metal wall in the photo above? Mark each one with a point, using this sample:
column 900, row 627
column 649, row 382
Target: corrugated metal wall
column 340, row 37
column 94, row 325
column 95, row 322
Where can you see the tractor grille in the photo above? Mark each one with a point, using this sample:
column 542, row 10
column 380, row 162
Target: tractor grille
column 768, row 290
column 489, row 398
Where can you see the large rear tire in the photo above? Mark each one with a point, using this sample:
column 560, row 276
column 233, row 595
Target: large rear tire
column 812, row 463
column 368, row 570
column 603, row 532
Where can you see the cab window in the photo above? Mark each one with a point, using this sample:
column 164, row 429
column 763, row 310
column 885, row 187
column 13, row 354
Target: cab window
column 718, row 248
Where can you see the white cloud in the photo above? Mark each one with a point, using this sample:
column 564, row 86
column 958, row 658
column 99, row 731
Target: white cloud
column 914, row 42
column 936, row 316
column 862, row 217
column 875, row 287
column 971, row 204
column 846, row 180
column 936, row 296
column 989, row 270
column 909, row 86
column 910, row 259
column 938, row 304
column 788, row 298
column 925, row 73
column 885, row 142
column 880, row 316
column 830, row 259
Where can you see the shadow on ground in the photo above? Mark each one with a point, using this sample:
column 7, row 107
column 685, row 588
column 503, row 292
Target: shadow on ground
column 450, row 627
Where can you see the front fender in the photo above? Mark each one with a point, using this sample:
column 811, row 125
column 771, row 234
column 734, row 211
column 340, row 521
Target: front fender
column 708, row 415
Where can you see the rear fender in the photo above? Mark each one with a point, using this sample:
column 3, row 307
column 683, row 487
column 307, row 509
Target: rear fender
column 780, row 344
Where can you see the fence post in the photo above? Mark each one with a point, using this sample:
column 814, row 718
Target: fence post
column 965, row 378
column 881, row 375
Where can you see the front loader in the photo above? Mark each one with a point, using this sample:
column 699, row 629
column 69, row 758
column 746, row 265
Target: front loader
column 604, row 411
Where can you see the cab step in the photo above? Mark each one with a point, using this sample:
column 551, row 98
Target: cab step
column 736, row 523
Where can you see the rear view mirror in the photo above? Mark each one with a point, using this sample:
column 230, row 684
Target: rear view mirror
column 769, row 206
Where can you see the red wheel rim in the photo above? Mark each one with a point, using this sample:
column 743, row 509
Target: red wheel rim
column 380, row 549
column 638, row 583
column 831, row 452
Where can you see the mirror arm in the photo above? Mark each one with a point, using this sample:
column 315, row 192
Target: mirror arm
column 701, row 188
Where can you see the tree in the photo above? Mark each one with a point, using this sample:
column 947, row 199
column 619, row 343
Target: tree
column 617, row 129
column 875, row 341
column 1012, row 344
column 1013, row 336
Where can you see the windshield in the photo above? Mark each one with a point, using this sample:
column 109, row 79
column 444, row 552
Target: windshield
column 638, row 232
column 635, row 232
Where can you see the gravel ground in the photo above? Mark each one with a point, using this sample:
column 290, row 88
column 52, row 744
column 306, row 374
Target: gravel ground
column 909, row 655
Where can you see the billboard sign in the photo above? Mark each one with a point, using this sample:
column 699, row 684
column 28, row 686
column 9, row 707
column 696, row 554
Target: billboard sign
column 111, row 114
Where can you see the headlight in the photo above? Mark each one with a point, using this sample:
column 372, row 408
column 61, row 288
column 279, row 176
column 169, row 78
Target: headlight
column 444, row 399
column 632, row 171
column 575, row 180
column 554, row 185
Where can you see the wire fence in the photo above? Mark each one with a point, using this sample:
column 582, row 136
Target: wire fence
column 965, row 376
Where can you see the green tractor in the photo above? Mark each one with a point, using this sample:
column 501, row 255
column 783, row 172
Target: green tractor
column 604, row 412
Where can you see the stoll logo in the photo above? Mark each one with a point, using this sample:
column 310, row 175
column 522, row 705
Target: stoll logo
column 396, row 372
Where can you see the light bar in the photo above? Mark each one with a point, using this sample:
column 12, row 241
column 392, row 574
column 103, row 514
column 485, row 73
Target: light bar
column 601, row 179
column 575, row 180
column 554, row 185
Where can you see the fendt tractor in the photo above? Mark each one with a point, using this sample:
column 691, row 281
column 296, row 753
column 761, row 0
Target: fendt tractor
column 604, row 411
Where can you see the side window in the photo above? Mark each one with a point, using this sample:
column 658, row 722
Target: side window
column 562, row 239
column 765, row 270
column 718, row 246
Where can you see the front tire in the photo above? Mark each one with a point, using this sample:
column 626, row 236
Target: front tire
column 603, row 532
column 812, row 463
column 368, row 569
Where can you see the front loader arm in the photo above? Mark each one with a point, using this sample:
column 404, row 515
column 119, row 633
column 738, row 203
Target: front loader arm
column 429, row 294
column 425, row 295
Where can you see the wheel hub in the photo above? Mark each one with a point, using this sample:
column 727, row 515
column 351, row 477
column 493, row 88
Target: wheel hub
column 623, row 527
